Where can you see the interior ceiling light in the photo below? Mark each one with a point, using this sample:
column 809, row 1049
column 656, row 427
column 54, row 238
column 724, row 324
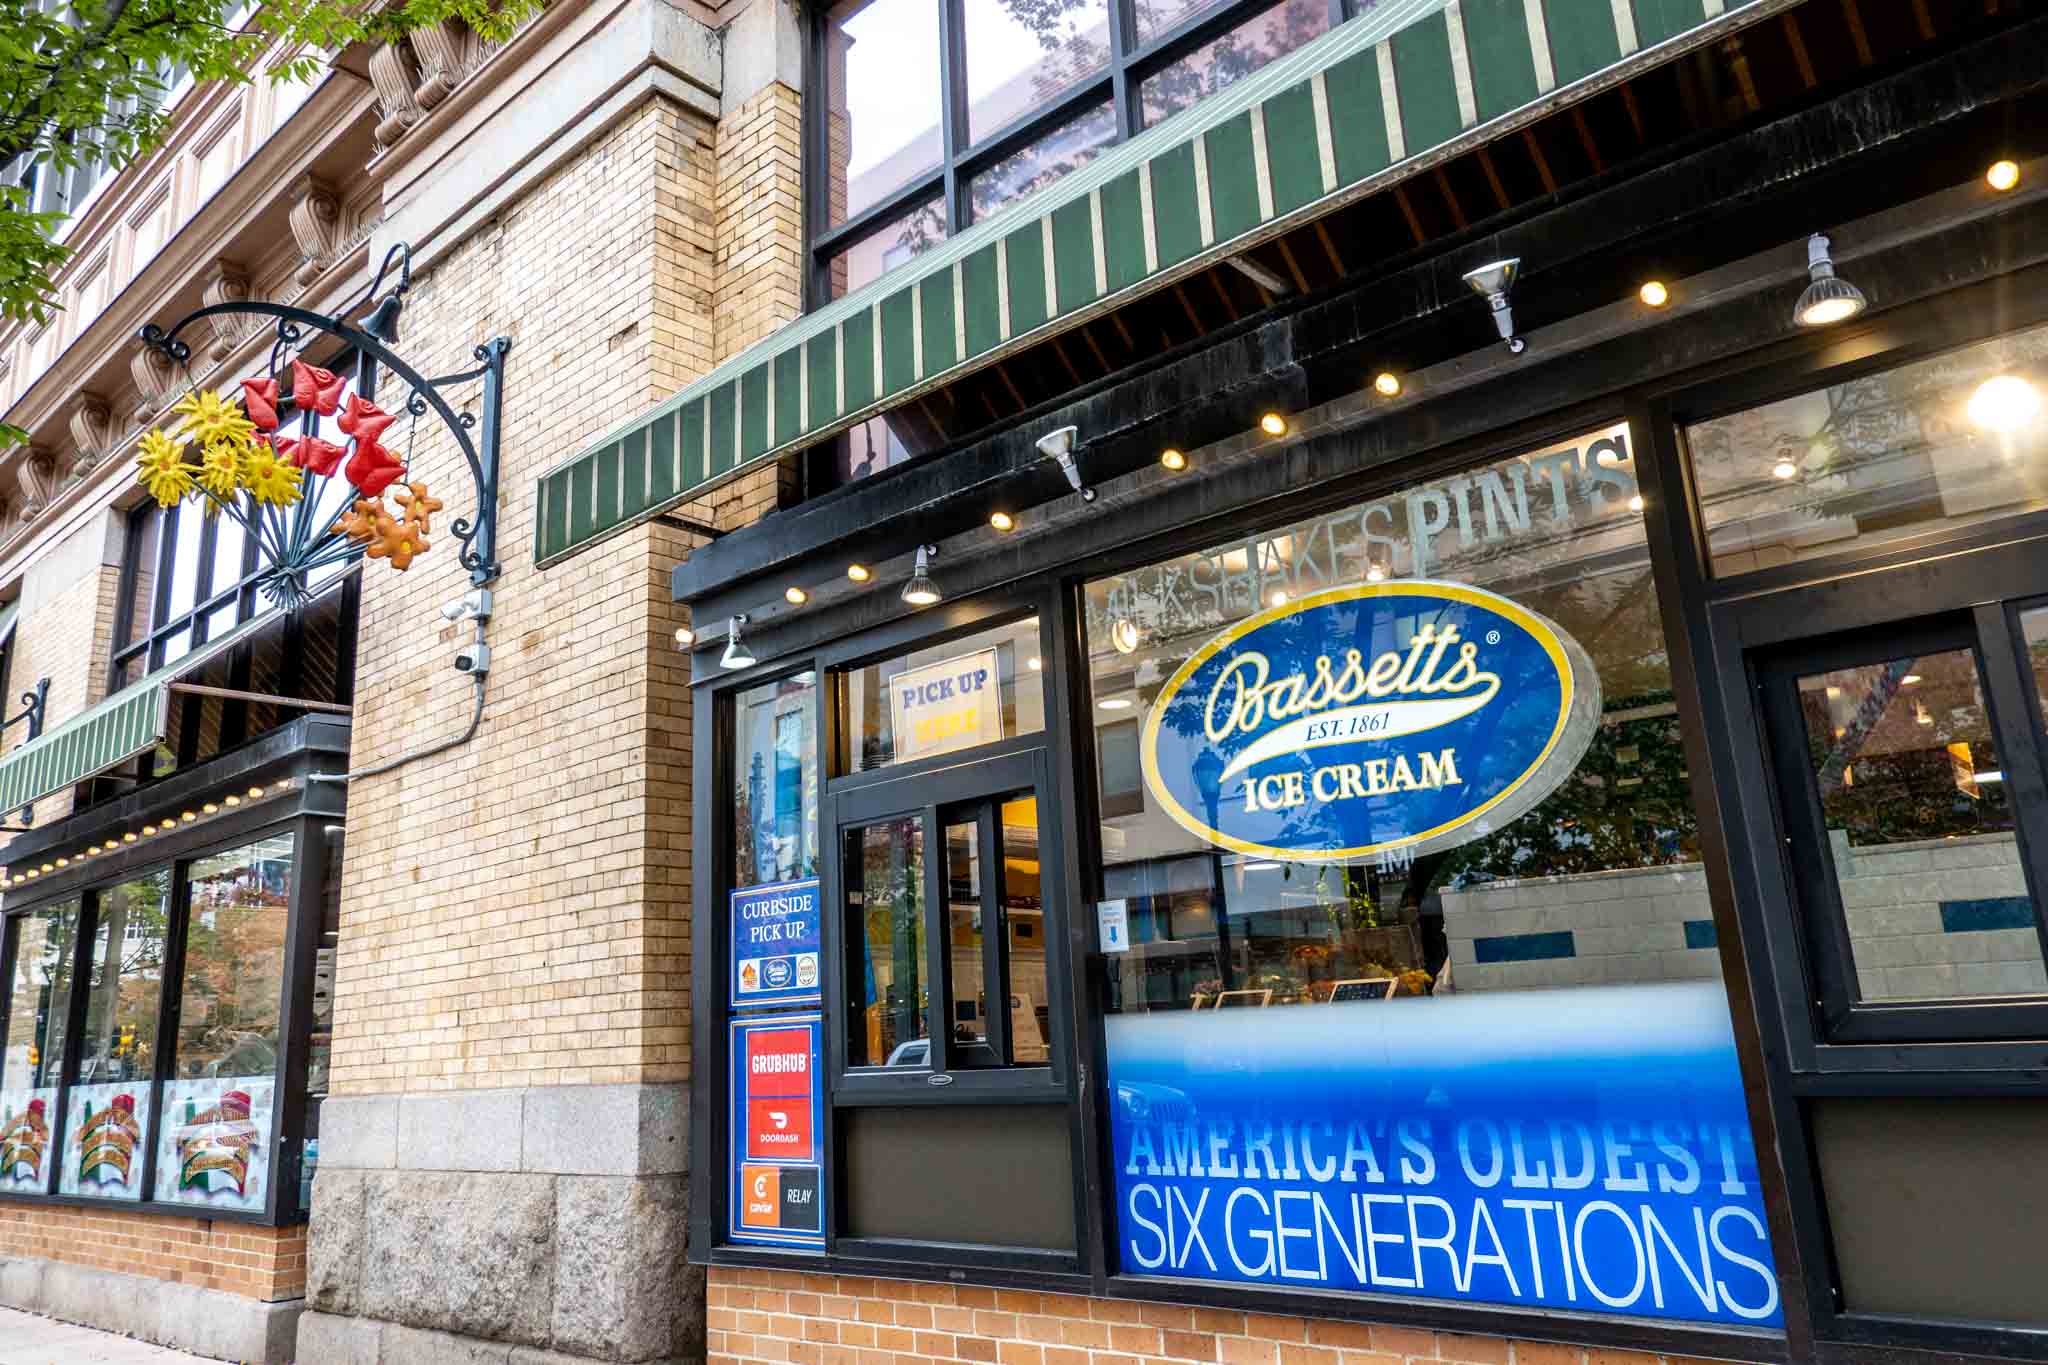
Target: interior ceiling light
column 685, row 637
column 1635, row 504
column 1493, row 282
column 1277, row 598
column 1173, row 459
column 1124, row 634
column 920, row 591
column 1374, row 573
column 1829, row 298
column 1061, row 446
column 1387, row 384
column 1116, row 704
column 1002, row 521
column 1273, row 424
column 858, row 573
column 737, row 655
column 2002, row 175
column 1784, row 468
column 795, row 596
column 2004, row 403
column 1034, row 663
column 1654, row 294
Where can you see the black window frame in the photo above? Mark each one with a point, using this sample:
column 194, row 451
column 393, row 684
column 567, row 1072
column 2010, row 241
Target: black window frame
column 295, row 1114
column 961, row 157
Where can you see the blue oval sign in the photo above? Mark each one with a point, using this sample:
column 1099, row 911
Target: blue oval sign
column 1412, row 715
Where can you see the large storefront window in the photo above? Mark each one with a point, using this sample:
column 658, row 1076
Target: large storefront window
column 775, row 786
column 1401, row 788
column 107, row 1106
column 39, row 1003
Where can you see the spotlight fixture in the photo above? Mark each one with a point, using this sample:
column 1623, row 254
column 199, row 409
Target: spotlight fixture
column 1173, row 459
column 858, row 573
column 685, row 637
column 1784, row 468
column 1654, row 294
column 1387, row 384
column 1273, row 424
column 1002, row 521
column 1124, row 634
column 1492, row 282
column 2002, row 175
column 795, row 596
column 737, row 655
column 1061, row 446
column 2004, row 403
column 920, row 591
column 1828, row 299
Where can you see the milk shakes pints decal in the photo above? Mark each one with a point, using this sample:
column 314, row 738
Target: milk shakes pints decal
column 1411, row 715
column 1584, row 1150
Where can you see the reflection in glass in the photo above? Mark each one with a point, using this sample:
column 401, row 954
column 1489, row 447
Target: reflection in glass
column 1920, row 830
column 886, row 988
column 775, row 782
column 142, row 596
column 1936, row 445
column 127, row 981
column 971, row 943
column 2034, row 630
column 1222, row 63
column 1024, row 932
column 870, row 736
column 885, row 248
column 1031, row 168
column 882, row 77
column 1021, row 57
column 40, row 998
column 233, row 987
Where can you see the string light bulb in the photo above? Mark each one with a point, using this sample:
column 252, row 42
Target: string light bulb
column 2003, row 174
column 1654, row 294
column 1273, row 424
column 1387, row 384
column 1002, row 521
column 795, row 595
column 859, row 573
column 1173, row 459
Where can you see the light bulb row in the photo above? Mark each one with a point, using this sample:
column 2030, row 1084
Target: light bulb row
column 135, row 836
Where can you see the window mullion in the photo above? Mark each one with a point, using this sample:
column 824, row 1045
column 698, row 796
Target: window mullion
column 1123, row 40
column 953, row 99
column 995, row 934
column 938, row 948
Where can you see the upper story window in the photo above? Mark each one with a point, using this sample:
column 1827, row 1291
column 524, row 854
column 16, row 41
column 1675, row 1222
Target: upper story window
column 939, row 113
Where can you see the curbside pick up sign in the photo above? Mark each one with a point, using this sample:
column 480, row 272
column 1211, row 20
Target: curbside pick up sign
column 775, row 944
column 1415, row 715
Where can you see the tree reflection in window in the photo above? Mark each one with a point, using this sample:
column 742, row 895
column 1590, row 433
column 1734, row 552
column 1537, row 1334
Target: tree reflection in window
column 235, row 962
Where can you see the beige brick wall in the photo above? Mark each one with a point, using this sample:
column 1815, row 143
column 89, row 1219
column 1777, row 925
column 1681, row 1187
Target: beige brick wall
column 516, row 910
column 206, row 1253
column 782, row 1316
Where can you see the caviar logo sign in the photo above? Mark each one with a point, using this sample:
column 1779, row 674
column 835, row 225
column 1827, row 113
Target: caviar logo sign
column 1414, row 715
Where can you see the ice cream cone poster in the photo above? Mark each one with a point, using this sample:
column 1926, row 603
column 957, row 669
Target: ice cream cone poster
column 214, row 1145
column 104, row 1141
column 25, row 1138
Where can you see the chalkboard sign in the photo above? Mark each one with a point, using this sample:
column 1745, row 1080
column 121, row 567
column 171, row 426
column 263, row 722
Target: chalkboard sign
column 1363, row 988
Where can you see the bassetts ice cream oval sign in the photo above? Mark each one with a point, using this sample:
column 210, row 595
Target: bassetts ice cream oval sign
column 1358, row 720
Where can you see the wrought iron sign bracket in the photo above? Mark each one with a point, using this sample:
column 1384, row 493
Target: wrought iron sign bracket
column 476, row 434
column 33, row 704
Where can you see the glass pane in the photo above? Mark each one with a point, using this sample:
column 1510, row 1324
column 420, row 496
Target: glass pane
column 1220, row 64
column 1068, row 147
column 1937, row 445
column 775, row 774
column 1508, row 962
column 214, row 1149
column 1920, row 830
column 887, row 247
column 1024, row 921
column 882, row 72
column 1163, row 16
column 969, row 947
column 173, row 648
column 942, row 699
column 230, row 543
column 880, row 443
column 142, row 597
column 191, row 527
column 39, row 1002
column 1020, row 57
column 2034, row 627
column 107, row 1109
column 886, row 989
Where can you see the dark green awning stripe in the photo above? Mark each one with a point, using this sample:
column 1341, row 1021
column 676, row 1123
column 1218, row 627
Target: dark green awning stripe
column 1328, row 123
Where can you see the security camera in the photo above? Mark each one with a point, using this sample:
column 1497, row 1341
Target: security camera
column 474, row 605
column 473, row 659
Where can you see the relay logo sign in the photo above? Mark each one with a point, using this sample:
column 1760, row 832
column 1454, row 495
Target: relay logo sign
column 775, row 944
column 778, row 1178
column 1361, row 719
column 1585, row 1151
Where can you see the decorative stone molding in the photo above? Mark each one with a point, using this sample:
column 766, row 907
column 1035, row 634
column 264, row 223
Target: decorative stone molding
column 92, row 432
column 38, row 479
column 155, row 381
column 391, row 77
column 227, row 282
column 316, row 227
column 443, row 53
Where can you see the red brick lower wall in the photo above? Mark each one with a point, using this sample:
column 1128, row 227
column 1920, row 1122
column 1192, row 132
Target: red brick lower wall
column 236, row 1258
column 765, row 1315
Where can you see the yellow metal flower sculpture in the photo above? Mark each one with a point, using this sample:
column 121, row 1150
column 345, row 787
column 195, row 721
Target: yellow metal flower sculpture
column 162, row 469
column 269, row 479
column 214, row 420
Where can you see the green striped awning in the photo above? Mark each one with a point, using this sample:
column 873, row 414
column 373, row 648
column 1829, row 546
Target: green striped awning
column 128, row 723
column 1376, row 99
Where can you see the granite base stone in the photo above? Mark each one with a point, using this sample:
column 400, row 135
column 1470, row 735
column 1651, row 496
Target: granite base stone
column 474, row 1226
column 203, row 1321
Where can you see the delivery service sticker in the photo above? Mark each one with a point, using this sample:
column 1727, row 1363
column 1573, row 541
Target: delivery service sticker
column 1417, row 715
column 778, row 1176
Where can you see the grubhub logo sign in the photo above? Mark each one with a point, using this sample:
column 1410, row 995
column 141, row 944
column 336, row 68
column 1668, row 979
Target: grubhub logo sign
column 1360, row 719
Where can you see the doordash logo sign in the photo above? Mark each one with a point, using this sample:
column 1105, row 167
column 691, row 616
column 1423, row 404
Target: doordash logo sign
column 1391, row 715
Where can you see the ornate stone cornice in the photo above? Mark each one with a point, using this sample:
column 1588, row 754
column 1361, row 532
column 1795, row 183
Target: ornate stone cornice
column 92, row 432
